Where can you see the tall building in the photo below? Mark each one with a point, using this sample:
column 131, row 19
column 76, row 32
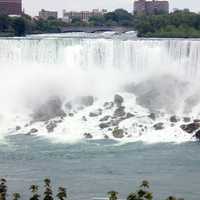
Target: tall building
column 83, row 15
column 45, row 14
column 151, row 7
column 11, row 7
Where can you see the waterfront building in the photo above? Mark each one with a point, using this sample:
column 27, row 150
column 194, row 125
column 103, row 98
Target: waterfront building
column 151, row 7
column 45, row 14
column 83, row 15
column 10, row 7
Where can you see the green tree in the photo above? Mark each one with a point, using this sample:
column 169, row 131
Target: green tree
column 48, row 193
column 16, row 196
column 19, row 26
column 112, row 195
column 34, row 190
column 62, row 193
column 3, row 189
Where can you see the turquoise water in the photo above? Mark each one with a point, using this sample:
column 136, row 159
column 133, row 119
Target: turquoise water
column 90, row 169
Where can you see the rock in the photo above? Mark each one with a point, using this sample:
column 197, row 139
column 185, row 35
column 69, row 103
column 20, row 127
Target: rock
column 119, row 112
column 51, row 109
column 84, row 118
column 71, row 114
column 104, row 125
column 129, row 115
column 33, row 130
column 197, row 135
column 105, row 118
column 186, row 119
column 190, row 128
column 108, row 105
column 118, row 100
column 51, row 126
column 152, row 116
column 174, row 119
column 96, row 113
column 17, row 128
column 158, row 126
column 88, row 136
column 118, row 133
column 196, row 120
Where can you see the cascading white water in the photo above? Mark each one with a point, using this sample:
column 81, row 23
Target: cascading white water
column 33, row 70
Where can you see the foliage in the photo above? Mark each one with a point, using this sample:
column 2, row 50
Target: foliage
column 182, row 24
column 142, row 193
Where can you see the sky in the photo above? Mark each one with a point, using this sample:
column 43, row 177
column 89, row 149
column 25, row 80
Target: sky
column 33, row 6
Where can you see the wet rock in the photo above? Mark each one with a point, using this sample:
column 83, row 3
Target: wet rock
column 104, row 125
column 196, row 120
column 51, row 109
column 152, row 116
column 120, row 112
column 158, row 126
column 129, row 115
column 186, row 119
column 118, row 100
column 197, row 135
column 190, row 128
column 84, row 118
column 17, row 128
column 96, row 113
column 88, row 136
column 105, row 118
column 118, row 133
column 108, row 105
column 33, row 130
column 174, row 119
column 51, row 126
column 71, row 114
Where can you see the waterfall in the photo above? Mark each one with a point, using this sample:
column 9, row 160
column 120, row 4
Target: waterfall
column 35, row 69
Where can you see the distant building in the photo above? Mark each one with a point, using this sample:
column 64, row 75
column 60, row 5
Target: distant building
column 45, row 14
column 83, row 15
column 151, row 7
column 11, row 7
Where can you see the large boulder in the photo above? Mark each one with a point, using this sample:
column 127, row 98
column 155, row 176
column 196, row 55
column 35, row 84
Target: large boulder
column 118, row 100
column 190, row 128
column 159, row 126
column 88, row 136
column 197, row 135
column 105, row 125
column 174, row 119
column 51, row 126
column 119, row 112
column 105, row 118
column 49, row 110
column 118, row 133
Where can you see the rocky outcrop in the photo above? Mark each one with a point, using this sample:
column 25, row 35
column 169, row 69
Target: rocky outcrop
column 105, row 125
column 118, row 100
column 118, row 133
column 51, row 126
column 197, row 135
column 186, row 119
column 88, row 136
column 108, row 105
column 105, row 118
column 119, row 112
column 152, row 116
column 96, row 113
column 51, row 109
column 190, row 128
column 158, row 126
column 33, row 130
column 174, row 119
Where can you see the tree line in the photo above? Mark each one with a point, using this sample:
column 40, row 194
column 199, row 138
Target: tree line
column 179, row 24
column 143, row 192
